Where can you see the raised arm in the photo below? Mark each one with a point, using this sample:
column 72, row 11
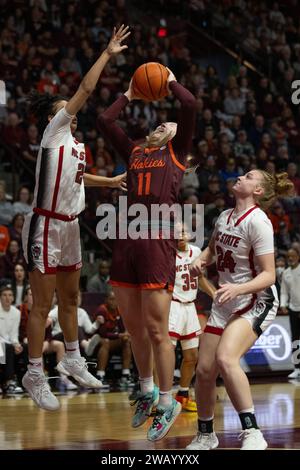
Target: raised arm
column 90, row 80
column 186, row 120
column 114, row 133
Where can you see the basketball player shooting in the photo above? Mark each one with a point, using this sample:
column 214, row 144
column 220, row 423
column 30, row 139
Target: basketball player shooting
column 143, row 270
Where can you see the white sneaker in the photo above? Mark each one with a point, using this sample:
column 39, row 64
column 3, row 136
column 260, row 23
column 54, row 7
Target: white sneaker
column 253, row 439
column 295, row 374
column 92, row 344
column 38, row 388
column 78, row 369
column 204, row 441
column 67, row 383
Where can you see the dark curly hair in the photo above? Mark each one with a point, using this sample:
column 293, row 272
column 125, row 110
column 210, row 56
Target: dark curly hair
column 42, row 105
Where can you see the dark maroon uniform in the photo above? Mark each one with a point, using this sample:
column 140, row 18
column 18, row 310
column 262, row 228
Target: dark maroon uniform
column 154, row 176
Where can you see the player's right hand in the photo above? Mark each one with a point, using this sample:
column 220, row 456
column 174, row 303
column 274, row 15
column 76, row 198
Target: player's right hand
column 197, row 267
column 115, row 44
column 130, row 93
column 171, row 78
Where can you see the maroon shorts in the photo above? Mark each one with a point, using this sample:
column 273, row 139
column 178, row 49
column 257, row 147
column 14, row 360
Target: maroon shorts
column 146, row 264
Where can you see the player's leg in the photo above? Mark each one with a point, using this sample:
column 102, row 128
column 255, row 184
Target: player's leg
column 129, row 302
column 237, row 339
column 205, row 393
column 67, row 288
column 189, row 334
column 187, row 371
column 35, row 382
column 156, row 306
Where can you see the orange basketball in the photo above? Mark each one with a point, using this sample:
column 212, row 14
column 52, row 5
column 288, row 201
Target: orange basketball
column 149, row 81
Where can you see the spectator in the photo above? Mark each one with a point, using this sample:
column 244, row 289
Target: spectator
column 6, row 208
column 4, row 239
column 99, row 282
column 243, row 146
column 234, row 103
column 19, row 284
column 112, row 338
column 290, row 304
column 15, row 229
column 292, row 171
column 9, row 337
column 22, row 205
column 12, row 257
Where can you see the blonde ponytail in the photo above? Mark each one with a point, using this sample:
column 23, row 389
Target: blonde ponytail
column 274, row 186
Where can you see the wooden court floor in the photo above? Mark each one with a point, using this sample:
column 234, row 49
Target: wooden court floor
column 102, row 421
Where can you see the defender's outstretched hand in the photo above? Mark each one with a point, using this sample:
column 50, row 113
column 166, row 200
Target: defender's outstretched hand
column 115, row 44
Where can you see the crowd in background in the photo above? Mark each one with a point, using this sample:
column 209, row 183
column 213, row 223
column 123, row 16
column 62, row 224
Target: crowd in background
column 244, row 122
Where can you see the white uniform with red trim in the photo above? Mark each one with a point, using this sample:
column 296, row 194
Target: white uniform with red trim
column 239, row 239
column 51, row 238
column 183, row 320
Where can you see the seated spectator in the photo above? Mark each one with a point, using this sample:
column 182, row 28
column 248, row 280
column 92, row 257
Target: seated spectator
column 15, row 228
column 9, row 337
column 22, row 205
column 229, row 171
column 30, row 149
column 294, row 176
column 190, row 178
column 112, row 338
column 208, row 170
column 229, row 195
column 12, row 257
column 6, row 208
column 234, row 103
column 99, row 282
column 4, row 239
column 50, row 345
column 19, row 284
column 278, row 215
column 214, row 189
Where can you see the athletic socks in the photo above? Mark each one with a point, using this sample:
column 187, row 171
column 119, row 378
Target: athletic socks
column 72, row 350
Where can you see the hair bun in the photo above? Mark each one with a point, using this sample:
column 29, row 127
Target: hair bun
column 283, row 185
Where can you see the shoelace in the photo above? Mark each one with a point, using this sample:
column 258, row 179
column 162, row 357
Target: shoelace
column 44, row 389
column 244, row 434
column 202, row 437
column 157, row 417
column 140, row 401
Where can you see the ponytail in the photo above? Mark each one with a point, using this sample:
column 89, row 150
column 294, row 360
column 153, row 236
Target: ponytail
column 274, row 186
column 42, row 105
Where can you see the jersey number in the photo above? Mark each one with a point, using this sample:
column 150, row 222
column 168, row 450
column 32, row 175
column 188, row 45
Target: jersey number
column 79, row 174
column 189, row 282
column 144, row 188
column 225, row 260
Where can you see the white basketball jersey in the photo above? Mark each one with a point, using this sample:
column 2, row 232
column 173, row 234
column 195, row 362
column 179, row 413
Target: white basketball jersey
column 186, row 287
column 60, row 167
column 239, row 239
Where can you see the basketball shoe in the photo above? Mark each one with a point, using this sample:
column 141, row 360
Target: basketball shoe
column 252, row 439
column 78, row 369
column 204, row 441
column 144, row 403
column 186, row 403
column 163, row 420
column 38, row 388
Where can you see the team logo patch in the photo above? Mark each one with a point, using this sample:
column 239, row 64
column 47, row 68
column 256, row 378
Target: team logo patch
column 260, row 308
column 36, row 251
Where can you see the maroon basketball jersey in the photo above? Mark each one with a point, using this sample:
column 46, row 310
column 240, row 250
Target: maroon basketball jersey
column 154, row 176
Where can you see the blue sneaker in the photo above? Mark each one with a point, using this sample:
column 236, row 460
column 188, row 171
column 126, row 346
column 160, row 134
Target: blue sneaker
column 163, row 420
column 145, row 403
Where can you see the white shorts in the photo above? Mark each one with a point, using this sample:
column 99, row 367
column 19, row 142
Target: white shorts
column 51, row 245
column 184, row 325
column 260, row 314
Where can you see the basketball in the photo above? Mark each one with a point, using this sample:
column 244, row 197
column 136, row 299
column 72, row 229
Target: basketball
column 149, row 81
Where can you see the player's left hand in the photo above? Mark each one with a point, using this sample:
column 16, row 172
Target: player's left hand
column 119, row 182
column 226, row 293
column 115, row 44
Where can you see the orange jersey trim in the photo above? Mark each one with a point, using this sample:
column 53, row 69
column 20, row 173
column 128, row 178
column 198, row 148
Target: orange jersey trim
column 122, row 284
column 177, row 163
